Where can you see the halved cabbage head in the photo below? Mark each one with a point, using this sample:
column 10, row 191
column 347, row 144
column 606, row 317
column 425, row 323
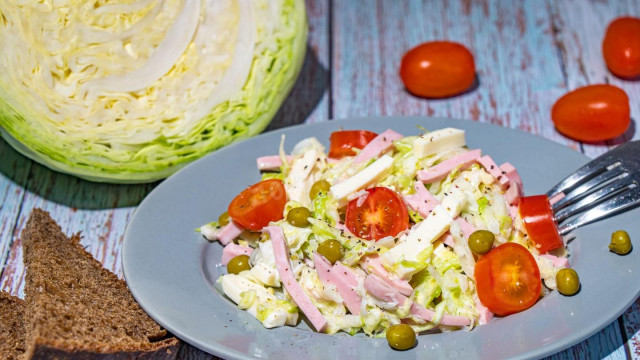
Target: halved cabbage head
column 132, row 90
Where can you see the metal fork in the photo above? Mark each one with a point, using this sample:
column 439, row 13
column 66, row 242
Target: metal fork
column 605, row 186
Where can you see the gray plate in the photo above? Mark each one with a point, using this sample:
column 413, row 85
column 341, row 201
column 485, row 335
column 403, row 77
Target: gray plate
column 172, row 271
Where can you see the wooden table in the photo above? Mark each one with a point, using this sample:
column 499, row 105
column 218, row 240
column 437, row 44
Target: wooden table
column 528, row 54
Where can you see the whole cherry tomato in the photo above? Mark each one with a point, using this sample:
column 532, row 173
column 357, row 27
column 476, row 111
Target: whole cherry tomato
column 342, row 142
column 539, row 222
column 592, row 113
column 621, row 47
column 438, row 69
column 508, row 279
column 383, row 213
column 258, row 205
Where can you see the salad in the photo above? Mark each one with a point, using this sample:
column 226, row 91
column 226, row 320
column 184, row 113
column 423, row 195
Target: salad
column 386, row 230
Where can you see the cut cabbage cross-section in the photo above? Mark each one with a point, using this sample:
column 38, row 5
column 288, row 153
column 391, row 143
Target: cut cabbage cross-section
column 131, row 91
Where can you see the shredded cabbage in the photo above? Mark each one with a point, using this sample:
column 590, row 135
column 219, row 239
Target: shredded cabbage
column 131, row 91
column 423, row 276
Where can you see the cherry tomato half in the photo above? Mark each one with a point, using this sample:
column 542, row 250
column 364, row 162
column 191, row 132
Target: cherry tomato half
column 438, row 69
column 621, row 47
column 342, row 142
column 592, row 113
column 382, row 214
column 258, row 205
column 538, row 220
column 508, row 279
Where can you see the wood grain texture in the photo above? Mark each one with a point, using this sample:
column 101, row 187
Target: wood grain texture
column 528, row 54
column 14, row 170
column 308, row 101
column 579, row 31
column 516, row 59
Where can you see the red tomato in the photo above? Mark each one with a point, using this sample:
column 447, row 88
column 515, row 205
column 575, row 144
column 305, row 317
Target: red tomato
column 508, row 279
column 621, row 47
column 539, row 222
column 343, row 141
column 592, row 113
column 259, row 204
column 383, row 213
column 438, row 69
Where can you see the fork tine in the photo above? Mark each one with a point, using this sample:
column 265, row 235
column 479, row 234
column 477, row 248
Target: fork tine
column 586, row 172
column 594, row 198
column 628, row 151
column 616, row 171
column 622, row 201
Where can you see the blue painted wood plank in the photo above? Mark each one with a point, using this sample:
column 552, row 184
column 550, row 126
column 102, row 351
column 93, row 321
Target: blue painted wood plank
column 14, row 170
column 580, row 31
column 99, row 212
column 308, row 101
column 516, row 60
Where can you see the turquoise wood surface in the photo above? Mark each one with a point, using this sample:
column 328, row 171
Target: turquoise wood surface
column 528, row 53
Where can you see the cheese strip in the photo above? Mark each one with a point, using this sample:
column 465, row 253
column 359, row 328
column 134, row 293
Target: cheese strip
column 438, row 141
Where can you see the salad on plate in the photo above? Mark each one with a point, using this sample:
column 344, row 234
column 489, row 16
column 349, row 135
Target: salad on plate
column 386, row 232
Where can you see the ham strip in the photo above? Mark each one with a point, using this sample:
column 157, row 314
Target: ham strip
column 346, row 283
column 516, row 190
column 467, row 229
column 232, row 250
column 323, row 268
column 428, row 315
column 377, row 146
column 557, row 261
column 448, row 239
column 485, row 314
column 512, row 174
column 373, row 265
column 492, row 168
column 377, row 287
column 513, row 193
column 422, row 201
column 440, row 171
column 271, row 162
column 283, row 264
column 229, row 232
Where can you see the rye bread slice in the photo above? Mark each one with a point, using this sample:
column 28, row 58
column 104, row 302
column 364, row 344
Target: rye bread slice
column 12, row 327
column 76, row 308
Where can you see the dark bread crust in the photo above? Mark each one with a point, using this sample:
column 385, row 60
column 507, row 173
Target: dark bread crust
column 76, row 308
column 11, row 327
column 166, row 350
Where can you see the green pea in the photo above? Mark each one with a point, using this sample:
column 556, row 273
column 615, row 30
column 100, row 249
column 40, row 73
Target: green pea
column 299, row 216
column 331, row 249
column 567, row 281
column 223, row 219
column 620, row 242
column 401, row 336
column 238, row 264
column 318, row 187
column 481, row 241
